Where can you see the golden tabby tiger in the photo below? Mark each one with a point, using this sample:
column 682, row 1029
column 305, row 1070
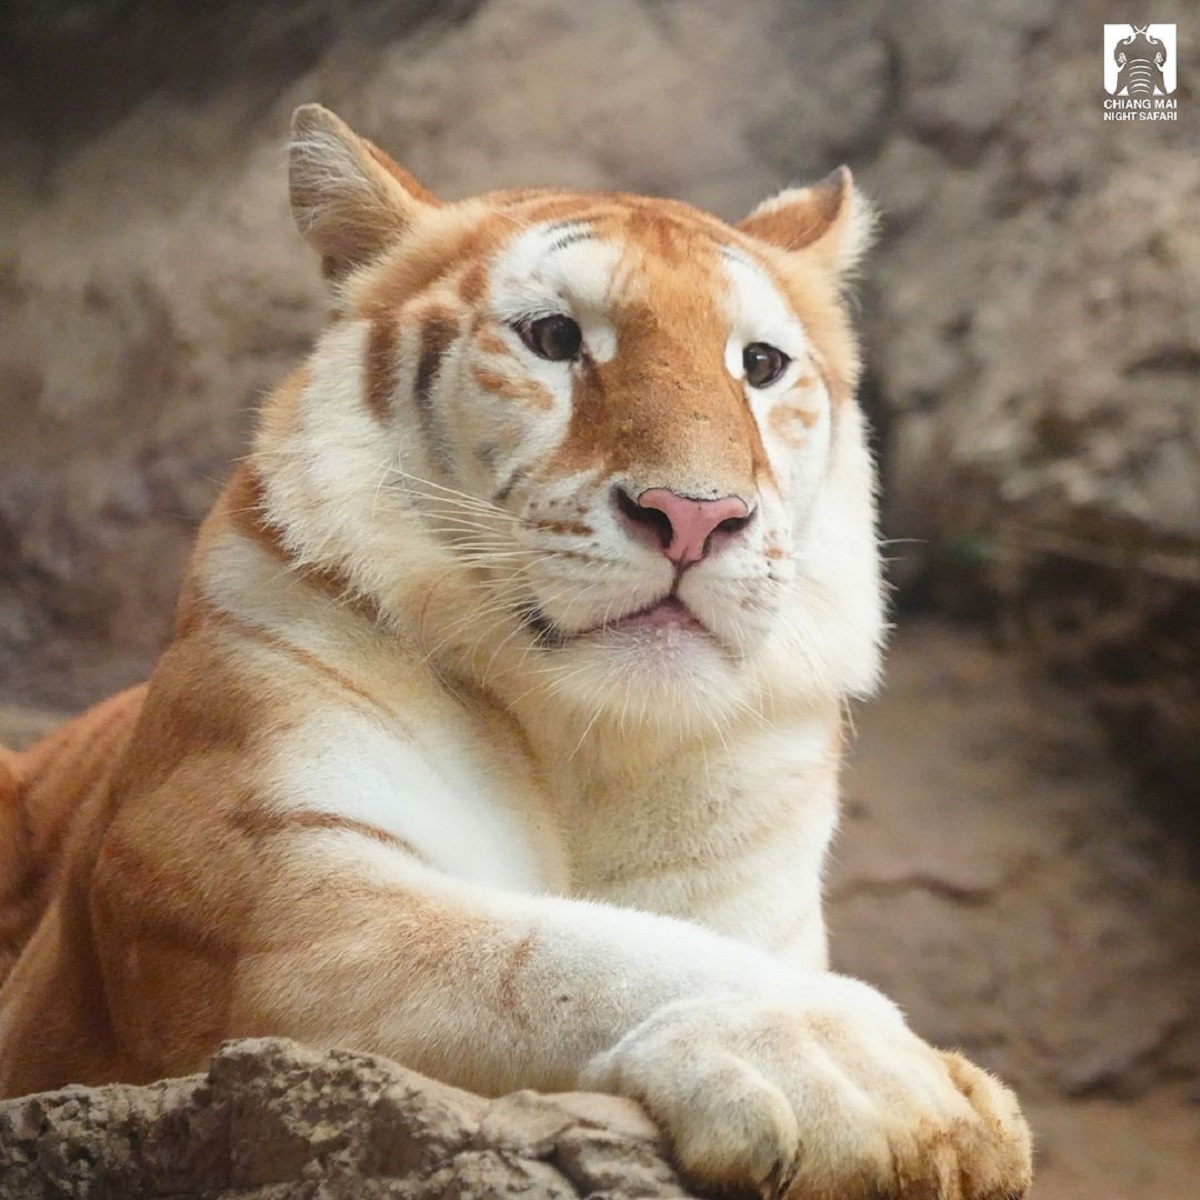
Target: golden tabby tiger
column 501, row 727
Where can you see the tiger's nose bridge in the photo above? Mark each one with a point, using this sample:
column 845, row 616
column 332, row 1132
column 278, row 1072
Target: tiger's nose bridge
column 686, row 441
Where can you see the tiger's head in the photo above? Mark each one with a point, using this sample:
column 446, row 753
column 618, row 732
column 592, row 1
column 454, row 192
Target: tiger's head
column 600, row 448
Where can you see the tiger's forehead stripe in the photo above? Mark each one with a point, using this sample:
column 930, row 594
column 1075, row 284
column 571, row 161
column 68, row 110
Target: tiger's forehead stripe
column 551, row 265
column 569, row 233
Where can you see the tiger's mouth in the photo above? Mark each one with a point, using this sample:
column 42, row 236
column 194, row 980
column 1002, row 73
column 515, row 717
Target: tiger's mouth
column 668, row 613
column 667, row 617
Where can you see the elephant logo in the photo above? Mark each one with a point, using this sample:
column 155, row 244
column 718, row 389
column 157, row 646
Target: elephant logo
column 1139, row 60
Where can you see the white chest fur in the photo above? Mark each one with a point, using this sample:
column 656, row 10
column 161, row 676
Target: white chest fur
column 733, row 840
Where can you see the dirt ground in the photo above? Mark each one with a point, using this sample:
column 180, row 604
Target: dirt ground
column 997, row 874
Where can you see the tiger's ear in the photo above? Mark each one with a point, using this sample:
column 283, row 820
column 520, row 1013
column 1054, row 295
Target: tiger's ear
column 830, row 222
column 349, row 199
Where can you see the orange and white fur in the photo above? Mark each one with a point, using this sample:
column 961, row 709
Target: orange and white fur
column 501, row 727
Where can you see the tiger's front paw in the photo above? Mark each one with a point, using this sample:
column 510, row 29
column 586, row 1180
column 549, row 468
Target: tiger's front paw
column 833, row 1098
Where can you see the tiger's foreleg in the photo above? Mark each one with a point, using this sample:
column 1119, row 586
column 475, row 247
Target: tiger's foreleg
column 760, row 1073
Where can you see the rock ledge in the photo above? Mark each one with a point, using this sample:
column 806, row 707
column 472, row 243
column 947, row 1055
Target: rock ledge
column 272, row 1119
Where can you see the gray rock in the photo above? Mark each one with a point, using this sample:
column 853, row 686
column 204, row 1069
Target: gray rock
column 272, row 1119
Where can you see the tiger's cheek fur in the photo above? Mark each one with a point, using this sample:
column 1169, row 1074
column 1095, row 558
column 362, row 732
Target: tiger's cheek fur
column 511, row 410
column 507, row 419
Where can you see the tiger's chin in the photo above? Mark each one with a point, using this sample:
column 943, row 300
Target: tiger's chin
column 659, row 667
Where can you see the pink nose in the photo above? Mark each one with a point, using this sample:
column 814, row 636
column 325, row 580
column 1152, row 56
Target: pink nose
column 684, row 525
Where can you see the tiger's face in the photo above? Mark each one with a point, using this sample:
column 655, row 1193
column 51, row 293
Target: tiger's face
column 616, row 436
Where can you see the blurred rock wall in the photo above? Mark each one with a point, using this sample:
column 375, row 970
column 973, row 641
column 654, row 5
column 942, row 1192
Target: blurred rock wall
column 1031, row 313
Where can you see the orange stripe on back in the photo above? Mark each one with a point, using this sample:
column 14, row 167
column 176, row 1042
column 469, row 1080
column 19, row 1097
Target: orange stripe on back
column 264, row 637
column 270, row 822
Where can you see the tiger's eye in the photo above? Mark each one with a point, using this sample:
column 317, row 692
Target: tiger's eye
column 763, row 364
column 556, row 338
